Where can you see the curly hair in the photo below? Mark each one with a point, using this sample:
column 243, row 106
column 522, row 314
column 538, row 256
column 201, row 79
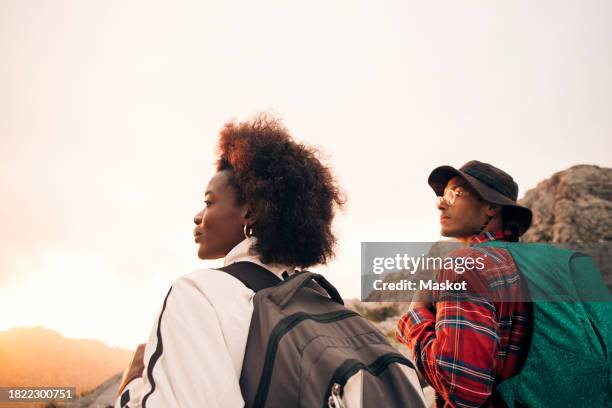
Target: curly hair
column 292, row 195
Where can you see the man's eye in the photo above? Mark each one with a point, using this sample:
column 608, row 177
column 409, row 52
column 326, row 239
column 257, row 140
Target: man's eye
column 208, row 203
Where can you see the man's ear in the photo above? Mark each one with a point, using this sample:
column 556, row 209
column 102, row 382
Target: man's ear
column 493, row 209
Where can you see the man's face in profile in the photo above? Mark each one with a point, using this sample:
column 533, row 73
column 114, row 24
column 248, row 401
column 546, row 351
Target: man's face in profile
column 462, row 211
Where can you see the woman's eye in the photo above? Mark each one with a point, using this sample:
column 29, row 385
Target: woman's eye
column 208, row 203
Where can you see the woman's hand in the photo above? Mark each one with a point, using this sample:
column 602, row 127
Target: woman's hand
column 135, row 368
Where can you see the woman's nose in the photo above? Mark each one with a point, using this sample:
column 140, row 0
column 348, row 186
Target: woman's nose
column 197, row 220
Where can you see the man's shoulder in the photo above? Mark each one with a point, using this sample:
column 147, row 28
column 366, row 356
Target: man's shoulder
column 485, row 267
column 489, row 256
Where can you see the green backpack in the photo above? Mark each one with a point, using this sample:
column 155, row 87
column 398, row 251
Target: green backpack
column 569, row 359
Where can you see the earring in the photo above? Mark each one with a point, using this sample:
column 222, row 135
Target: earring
column 248, row 231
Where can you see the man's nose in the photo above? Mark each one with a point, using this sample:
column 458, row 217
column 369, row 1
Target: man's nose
column 197, row 220
column 441, row 203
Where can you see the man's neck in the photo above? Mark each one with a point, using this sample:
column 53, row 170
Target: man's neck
column 494, row 226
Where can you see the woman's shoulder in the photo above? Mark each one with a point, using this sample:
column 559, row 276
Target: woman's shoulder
column 220, row 288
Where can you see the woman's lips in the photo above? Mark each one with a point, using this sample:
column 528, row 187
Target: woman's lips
column 443, row 219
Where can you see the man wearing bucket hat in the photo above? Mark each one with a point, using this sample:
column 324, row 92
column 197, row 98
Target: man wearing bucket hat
column 496, row 190
column 466, row 343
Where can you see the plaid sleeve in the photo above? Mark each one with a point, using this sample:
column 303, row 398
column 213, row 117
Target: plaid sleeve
column 454, row 344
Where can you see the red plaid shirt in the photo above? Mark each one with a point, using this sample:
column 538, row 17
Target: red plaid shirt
column 466, row 342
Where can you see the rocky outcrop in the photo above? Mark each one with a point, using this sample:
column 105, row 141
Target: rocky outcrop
column 574, row 205
column 103, row 396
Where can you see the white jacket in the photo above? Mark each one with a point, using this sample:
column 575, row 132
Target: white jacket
column 194, row 353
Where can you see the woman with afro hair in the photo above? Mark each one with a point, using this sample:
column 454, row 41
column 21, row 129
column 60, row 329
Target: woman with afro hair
column 271, row 202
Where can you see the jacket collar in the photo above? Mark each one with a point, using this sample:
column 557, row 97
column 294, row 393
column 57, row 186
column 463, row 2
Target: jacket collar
column 243, row 252
column 489, row 236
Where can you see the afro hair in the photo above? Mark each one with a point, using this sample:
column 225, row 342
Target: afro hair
column 292, row 195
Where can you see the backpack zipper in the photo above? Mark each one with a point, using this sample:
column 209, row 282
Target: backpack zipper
column 335, row 399
column 352, row 366
column 282, row 328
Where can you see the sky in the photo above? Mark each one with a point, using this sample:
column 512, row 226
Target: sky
column 110, row 113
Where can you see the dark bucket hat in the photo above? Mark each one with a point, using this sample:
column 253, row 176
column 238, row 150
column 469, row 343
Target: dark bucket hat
column 490, row 183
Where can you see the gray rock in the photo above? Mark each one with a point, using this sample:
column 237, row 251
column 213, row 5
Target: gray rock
column 102, row 397
column 574, row 205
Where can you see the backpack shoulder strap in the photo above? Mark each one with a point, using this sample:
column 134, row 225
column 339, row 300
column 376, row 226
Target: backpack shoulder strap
column 253, row 276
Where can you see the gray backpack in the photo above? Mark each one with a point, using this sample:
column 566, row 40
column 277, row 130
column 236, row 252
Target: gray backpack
column 305, row 349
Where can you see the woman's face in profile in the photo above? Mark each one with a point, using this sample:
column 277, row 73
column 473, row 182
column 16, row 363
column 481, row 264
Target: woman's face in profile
column 219, row 226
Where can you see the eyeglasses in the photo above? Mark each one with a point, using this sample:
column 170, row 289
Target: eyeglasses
column 450, row 196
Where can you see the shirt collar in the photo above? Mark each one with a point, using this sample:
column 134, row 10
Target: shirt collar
column 489, row 236
column 243, row 252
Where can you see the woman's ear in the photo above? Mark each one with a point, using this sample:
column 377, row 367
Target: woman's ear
column 249, row 216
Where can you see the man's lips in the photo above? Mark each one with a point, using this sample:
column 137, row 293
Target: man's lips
column 444, row 218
